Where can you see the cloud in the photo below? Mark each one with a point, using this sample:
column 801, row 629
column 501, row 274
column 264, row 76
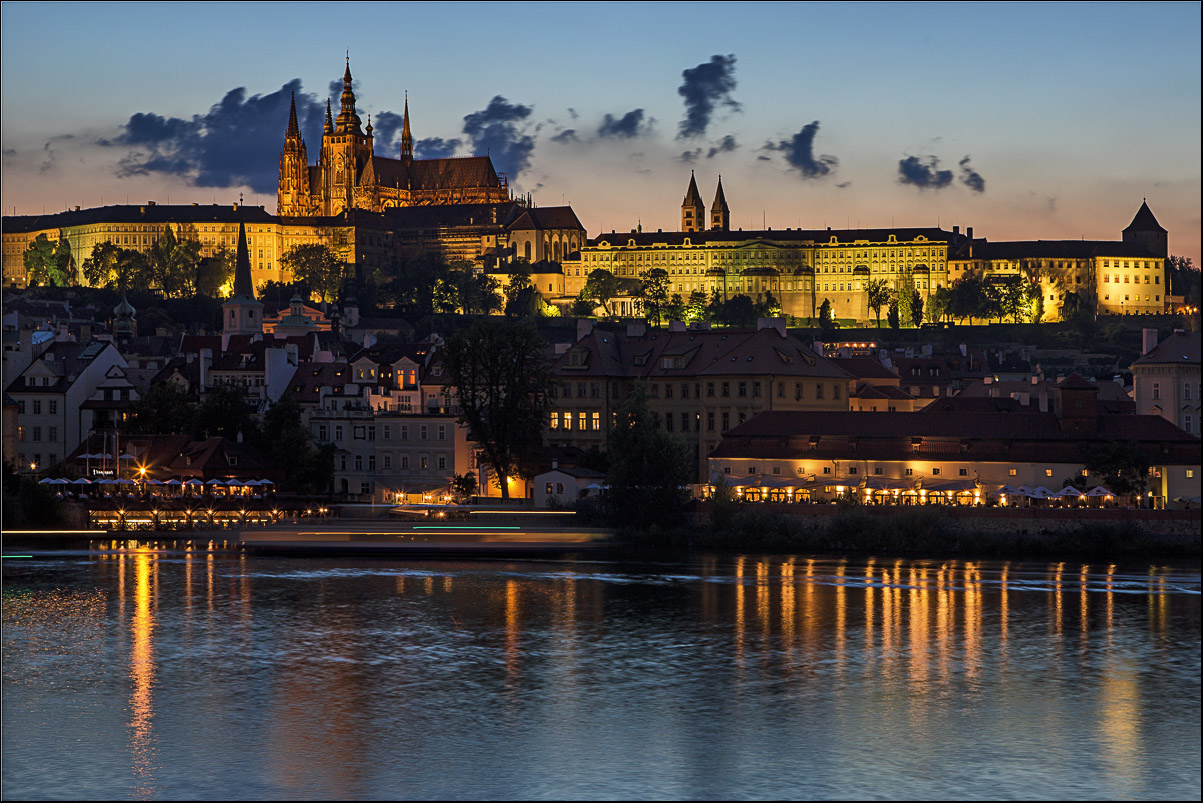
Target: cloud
column 386, row 133
column 924, row 172
column 47, row 165
column 629, row 125
column 689, row 157
column 705, row 86
column 435, row 148
column 799, row 152
column 500, row 130
column 568, row 135
column 970, row 177
column 727, row 144
column 237, row 142
column 844, row 185
column 572, row 113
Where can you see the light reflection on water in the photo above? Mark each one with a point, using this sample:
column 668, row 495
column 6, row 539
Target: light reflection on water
column 147, row 674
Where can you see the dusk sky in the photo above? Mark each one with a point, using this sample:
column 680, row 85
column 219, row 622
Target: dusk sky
column 1029, row 121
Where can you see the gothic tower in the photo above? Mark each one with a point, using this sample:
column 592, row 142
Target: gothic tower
column 242, row 313
column 693, row 211
column 292, row 197
column 1145, row 231
column 346, row 149
column 407, row 140
column 720, row 213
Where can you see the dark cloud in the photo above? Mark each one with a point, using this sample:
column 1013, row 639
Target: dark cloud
column 566, row 136
column 706, row 85
column 970, row 177
column 629, row 125
column 500, row 130
column 844, row 185
column 237, row 142
column 48, row 163
column 799, row 152
column 689, row 157
column 435, row 148
column 572, row 113
column 386, row 133
column 727, row 144
column 923, row 173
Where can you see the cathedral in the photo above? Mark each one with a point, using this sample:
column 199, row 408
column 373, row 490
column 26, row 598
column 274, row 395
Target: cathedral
column 349, row 175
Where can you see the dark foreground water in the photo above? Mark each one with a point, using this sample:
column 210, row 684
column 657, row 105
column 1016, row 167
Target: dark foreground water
column 215, row 675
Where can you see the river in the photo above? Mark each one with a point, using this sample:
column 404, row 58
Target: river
column 209, row 674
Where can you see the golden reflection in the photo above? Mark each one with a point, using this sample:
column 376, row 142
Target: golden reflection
column 1119, row 699
column 1083, row 604
column 1003, row 609
column 447, row 583
column 1055, row 579
column 512, row 649
column 944, row 617
column 400, row 584
column 869, row 609
column 1158, row 602
column 973, row 620
column 788, row 608
column 209, row 572
column 429, row 584
column 142, row 675
column 739, row 612
column 763, row 592
column 841, row 617
column 887, row 623
column 918, row 624
column 1110, row 586
column 810, row 613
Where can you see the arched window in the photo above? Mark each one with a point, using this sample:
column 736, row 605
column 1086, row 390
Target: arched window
column 557, row 251
column 527, row 250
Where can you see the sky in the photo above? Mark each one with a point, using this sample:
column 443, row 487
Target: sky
column 1025, row 121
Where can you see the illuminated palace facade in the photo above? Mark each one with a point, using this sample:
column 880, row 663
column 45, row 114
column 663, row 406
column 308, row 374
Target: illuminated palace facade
column 802, row 268
column 349, row 175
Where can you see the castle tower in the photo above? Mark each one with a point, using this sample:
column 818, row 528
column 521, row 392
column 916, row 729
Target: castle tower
column 1145, row 231
column 720, row 213
column 407, row 140
column 693, row 211
column 242, row 314
column 124, row 325
column 292, row 197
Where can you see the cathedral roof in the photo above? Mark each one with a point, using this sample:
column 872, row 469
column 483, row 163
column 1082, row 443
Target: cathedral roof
column 1144, row 220
column 692, row 196
column 432, row 174
column 720, row 200
column 544, row 218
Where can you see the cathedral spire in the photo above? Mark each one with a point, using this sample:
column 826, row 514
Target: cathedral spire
column 329, row 121
column 348, row 121
column 294, row 130
column 407, row 140
column 693, row 211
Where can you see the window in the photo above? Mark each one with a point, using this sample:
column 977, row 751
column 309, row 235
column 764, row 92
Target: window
column 555, row 420
column 910, row 472
column 826, row 469
column 1156, row 392
column 877, row 470
column 710, row 390
column 568, row 421
column 359, row 462
column 964, row 472
column 338, row 432
column 442, row 462
column 710, row 422
column 442, row 432
column 1190, row 473
column 37, row 434
column 371, row 462
column 404, row 461
column 323, row 433
column 404, row 432
column 743, row 389
column 37, row 406
column 596, row 418
column 853, row 470
column 797, row 391
column 425, row 461
column 726, row 390
column 388, row 461
column 53, row 432
column 835, row 392
column 422, row 432
column 935, row 472
column 726, row 421
column 1012, row 472
column 1048, row 472
column 819, row 390
column 52, row 408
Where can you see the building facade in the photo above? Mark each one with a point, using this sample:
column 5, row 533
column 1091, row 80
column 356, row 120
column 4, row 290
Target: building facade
column 1166, row 380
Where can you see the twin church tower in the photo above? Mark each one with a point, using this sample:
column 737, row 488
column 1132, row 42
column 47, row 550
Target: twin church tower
column 693, row 211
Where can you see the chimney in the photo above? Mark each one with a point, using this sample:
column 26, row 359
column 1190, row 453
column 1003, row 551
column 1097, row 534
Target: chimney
column 206, row 360
column 584, row 327
column 636, row 329
column 555, row 464
column 956, row 231
column 777, row 323
column 969, row 232
column 964, row 350
column 1148, row 340
column 676, row 326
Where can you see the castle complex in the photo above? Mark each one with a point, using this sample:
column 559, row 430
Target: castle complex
column 374, row 211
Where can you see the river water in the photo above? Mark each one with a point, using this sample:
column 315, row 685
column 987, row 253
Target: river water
column 208, row 675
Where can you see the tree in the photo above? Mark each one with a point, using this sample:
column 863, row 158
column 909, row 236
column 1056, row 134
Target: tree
column 648, row 468
column 414, row 284
column 464, row 486
column 653, row 292
column 1183, row 278
column 501, row 377
column 879, row 296
column 769, row 306
column 48, row 263
column 288, row 442
column 165, row 409
column 318, row 266
column 600, row 288
column 225, row 413
column 674, row 310
column 519, row 284
column 825, row 317
column 739, row 310
column 465, row 289
column 1122, row 465
column 916, row 308
column 938, row 305
column 1034, row 296
column 120, row 269
column 892, row 314
column 173, row 264
column 695, row 307
column 215, row 272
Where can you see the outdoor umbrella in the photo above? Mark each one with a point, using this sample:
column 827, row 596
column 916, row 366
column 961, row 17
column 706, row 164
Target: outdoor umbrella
column 81, row 481
column 45, row 481
column 173, row 481
column 1099, row 490
column 1069, row 492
